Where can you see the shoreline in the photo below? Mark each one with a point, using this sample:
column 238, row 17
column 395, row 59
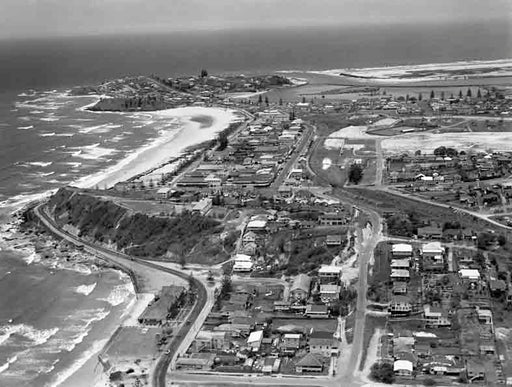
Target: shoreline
column 166, row 146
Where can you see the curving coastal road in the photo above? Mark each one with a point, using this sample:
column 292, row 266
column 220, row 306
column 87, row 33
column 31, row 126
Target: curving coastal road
column 133, row 265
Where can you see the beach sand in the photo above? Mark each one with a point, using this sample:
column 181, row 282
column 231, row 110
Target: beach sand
column 195, row 130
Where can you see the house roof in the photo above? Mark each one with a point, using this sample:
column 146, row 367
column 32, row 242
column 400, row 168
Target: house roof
column 255, row 337
column 310, row 360
column 400, row 365
column 400, row 273
column 301, row 282
column 321, row 335
column 402, row 248
column 469, row 273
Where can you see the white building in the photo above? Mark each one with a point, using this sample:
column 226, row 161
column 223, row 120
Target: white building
column 402, row 250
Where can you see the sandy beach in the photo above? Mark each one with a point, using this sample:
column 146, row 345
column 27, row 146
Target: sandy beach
column 170, row 143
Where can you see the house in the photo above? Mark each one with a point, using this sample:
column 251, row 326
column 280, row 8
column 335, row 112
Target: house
column 317, row 311
column 329, row 274
column 400, row 275
column 243, row 263
column 332, row 219
column 403, row 368
column 329, row 292
column 333, row 240
column 249, row 237
column 309, row 363
column 400, row 264
column 300, row 287
column 399, row 287
column 202, row 206
column 401, row 250
column 211, row 340
column 469, row 274
column 432, row 250
column 322, row 343
column 291, row 341
column 285, row 191
column 271, row 365
column 435, row 317
column 400, row 305
column 254, row 340
column 196, row 361
column 281, row 306
column 432, row 232
column 484, row 316
column 163, row 193
column 157, row 311
column 258, row 225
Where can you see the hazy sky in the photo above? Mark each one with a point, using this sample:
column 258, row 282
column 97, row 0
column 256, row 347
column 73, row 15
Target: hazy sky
column 23, row 18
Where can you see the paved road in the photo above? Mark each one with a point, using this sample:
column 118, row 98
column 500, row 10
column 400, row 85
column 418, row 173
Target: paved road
column 308, row 132
column 132, row 264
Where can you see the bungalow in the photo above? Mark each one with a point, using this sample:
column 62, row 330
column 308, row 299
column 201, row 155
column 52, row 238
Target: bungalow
column 249, row 237
column 333, row 240
column 291, row 341
column 157, row 311
column 196, row 361
column 403, row 368
column 329, row 292
column 400, row 305
column 400, row 288
column 163, row 193
column 400, row 264
column 435, row 317
column 322, row 343
column 401, row 250
column 300, row 287
column 309, row 363
column 257, row 225
column 332, row 219
column 243, row 263
column 254, row 340
column 212, row 340
column 317, row 311
column 400, row 275
column 469, row 274
column 202, row 206
column 433, row 232
column 285, row 191
column 329, row 274
column 432, row 250
column 281, row 306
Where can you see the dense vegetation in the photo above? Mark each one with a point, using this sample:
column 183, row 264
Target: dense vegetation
column 134, row 233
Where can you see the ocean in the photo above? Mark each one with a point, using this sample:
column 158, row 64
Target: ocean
column 51, row 319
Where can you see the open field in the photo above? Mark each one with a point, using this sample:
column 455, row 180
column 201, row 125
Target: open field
column 427, row 142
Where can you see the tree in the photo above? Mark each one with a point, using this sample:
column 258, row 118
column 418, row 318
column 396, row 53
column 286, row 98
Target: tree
column 432, row 94
column 382, row 372
column 479, row 94
column 223, row 141
column 460, row 94
column 280, row 102
column 204, row 73
column 440, row 151
column 468, row 94
column 303, row 99
column 418, row 152
column 407, row 98
column 226, row 286
column 450, row 152
column 355, row 173
column 260, row 99
column 420, row 97
column 442, row 95
column 266, row 101
column 191, row 281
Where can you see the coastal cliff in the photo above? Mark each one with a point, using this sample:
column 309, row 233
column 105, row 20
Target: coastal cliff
column 101, row 220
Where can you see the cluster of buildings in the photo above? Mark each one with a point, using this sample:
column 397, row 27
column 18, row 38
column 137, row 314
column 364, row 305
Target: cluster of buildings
column 249, row 334
column 440, row 315
column 253, row 159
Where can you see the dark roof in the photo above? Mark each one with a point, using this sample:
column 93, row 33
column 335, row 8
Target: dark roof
column 321, row 335
column 310, row 360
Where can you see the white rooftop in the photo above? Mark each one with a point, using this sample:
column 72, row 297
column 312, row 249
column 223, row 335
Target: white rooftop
column 257, row 224
column 402, row 248
column 469, row 273
column 399, row 365
column 255, row 337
